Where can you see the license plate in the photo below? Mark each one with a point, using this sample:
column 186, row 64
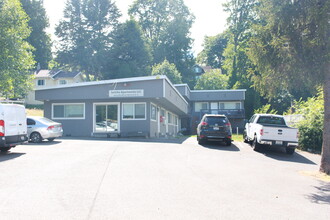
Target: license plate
column 216, row 128
column 278, row 142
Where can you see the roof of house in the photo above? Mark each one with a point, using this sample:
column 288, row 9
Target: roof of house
column 56, row 74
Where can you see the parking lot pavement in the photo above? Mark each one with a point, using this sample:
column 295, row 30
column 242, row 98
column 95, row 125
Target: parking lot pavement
column 158, row 179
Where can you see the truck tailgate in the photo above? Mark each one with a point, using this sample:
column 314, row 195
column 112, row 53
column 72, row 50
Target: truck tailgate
column 280, row 134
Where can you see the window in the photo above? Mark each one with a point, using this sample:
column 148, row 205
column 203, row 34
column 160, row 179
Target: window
column 169, row 118
column 30, row 122
column 153, row 112
column 230, row 105
column 62, row 82
column 69, row 111
column 200, row 105
column 134, row 111
column 40, row 82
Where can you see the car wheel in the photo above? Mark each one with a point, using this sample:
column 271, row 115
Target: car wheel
column 246, row 140
column 5, row 149
column 35, row 137
column 50, row 139
column 289, row 150
column 201, row 142
column 228, row 142
column 255, row 145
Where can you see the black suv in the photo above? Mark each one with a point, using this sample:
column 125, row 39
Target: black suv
column 214, row 127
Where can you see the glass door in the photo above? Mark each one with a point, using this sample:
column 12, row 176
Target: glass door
column 106, row 118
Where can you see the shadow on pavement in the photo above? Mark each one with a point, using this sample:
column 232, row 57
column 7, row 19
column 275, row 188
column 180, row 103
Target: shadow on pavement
column 9, row 156
column 280, row 154
column 220, row 146
column 45, row 143
column 174, row 140
column 323, row 194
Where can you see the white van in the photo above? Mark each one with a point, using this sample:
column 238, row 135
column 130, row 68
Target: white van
column 13, row 129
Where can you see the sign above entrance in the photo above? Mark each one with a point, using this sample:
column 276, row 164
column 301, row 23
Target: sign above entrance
column 126, row 93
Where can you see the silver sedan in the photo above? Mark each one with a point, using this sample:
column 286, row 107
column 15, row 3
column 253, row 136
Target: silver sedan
column 40, row 128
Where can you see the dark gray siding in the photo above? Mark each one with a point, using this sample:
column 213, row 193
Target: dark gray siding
column 100, row 91
column 220, row 95
column 173, row 96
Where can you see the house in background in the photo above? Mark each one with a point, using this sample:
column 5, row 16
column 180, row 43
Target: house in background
column 200, row 70
column 50, row 78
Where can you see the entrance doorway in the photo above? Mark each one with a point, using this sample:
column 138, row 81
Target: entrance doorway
column 106, row 118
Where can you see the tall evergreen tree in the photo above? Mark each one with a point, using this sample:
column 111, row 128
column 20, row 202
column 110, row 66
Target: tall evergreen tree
column 85, row 34
column 15, row 52
column 291, row 50
column 130, row 54
column 38, row 38
column 166, row 24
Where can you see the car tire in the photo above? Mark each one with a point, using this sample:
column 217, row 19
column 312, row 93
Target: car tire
column 5, row 149
column 35, row 137
column 246, row 140
column 228, row 142
column 201, row 142
column 289, row 150
column 50, row 139
column 255, row 145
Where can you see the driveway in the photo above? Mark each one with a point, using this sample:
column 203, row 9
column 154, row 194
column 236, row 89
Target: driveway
column 158, row 179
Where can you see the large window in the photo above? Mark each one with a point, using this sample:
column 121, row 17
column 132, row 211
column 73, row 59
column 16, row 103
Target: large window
column 153, row 112
column 230, row 105
column 69, row 111
column 134, row 111
column 200, row 105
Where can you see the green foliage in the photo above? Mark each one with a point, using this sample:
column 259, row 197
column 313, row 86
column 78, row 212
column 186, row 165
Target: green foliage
column 212, row 54
column 129, row 55
column 38, row 38
column 288, row 47
column 169, row 70
column 212, row 80
column 311, row 126
column 85, row 35
column 265, row 109
column 166, row 25
column 15, row 52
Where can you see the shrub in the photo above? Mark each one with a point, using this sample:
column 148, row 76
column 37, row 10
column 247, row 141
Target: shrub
column 311, row 127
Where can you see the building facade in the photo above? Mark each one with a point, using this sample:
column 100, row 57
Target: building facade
column 51, row 78
column 142, row 106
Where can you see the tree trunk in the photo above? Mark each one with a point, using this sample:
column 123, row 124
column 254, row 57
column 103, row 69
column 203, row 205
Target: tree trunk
column 325, row 159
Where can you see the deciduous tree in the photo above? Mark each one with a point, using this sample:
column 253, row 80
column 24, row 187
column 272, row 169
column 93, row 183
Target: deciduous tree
column 15, row 52
column 212, row 80
column 169, row 70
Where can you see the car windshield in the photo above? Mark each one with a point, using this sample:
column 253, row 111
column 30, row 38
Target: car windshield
column 215, row 120
column 271, row 120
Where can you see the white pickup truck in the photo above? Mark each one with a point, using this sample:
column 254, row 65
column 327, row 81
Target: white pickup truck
column 271, row 130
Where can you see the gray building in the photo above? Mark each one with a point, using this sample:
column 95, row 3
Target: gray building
column 142, row 106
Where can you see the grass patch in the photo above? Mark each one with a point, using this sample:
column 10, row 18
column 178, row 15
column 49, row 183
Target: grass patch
column 34, row 112
column 236, row 137
column 318, row 175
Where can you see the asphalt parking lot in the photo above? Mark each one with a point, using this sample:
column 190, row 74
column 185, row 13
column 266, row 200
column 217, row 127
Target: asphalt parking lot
column 158, row 179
